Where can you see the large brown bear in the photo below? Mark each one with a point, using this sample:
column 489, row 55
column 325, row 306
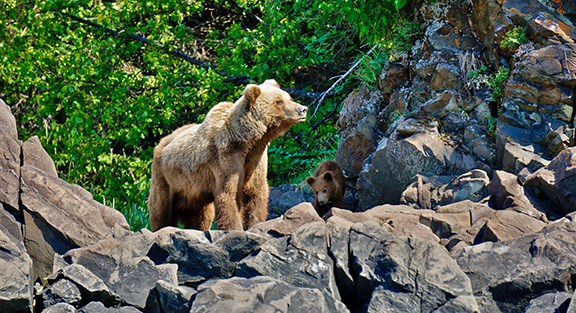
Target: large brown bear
column 222, row 161
column 328, row 186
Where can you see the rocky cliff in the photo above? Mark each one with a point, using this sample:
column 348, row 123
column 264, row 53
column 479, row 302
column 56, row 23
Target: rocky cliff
column 465, row 191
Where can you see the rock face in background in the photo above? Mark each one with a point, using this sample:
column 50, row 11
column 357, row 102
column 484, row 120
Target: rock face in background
column 458, row 210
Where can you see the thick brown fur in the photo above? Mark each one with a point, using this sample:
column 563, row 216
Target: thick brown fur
column 328, row 185
column 221, row 163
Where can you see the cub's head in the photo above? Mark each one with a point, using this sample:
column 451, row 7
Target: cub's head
column 324, row 187
column 272, row 105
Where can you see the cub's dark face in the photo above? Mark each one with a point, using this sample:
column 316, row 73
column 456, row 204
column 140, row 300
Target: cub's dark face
column 323, row 188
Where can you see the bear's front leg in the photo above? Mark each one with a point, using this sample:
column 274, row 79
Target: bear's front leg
column 255, row 199
column 226, row 196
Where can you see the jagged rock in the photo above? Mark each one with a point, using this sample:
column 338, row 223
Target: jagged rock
column 12, row 227
column 400, row 220
column 359, row 124
column 197, row 258
column 409, row 270
column 62, row 290
column 35, row 155
column 98, row 307
column 261, row 294
column 237, row 244
column 301, row 259
column 92, row 288
column 446, row 76
column 166, row 297
column 517, row 150
column 60, row 308
column 339, row 234
column 531, row 266
column 551, row 65
column 10, row 150
column 15, row 276
column 455, row 218
column 509, row 224
column 554, row 302
column 60, row 216
column 292, row 219
column 392, row 167
column 123, row 267
column 7, row 121
column 393, row 76
column 557, row 181
column 429, row 192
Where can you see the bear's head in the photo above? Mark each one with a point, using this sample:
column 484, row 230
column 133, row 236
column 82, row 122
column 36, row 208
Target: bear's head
column 324, row 187
column 272, row 105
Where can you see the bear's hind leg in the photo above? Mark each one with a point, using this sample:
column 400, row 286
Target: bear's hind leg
column 255, row 202
column 160, row 204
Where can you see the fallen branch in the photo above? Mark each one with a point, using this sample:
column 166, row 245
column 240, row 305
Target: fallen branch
column 323, row 95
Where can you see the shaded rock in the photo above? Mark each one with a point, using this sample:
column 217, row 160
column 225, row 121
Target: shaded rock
column 393, row 75
column 550, row 302
column 446, row 76
column 60, row 308
column 392, row 167
column 15, row 276
column 238, row 244
column 354, row 149
column 508, row 224
column 166, row 297
column 10, row 150
column 429, row 192
column 60, row 216
column 261, row 294
column 285, row 197
column 301, row 260
column 123, row 268
column 455, row 218
column 62, row 291
column 98, row 307
column 91, row 287
column 339, row 235
column 409, row 270
column 557, row 181
column 35, row 155
column 12, row 227
column 197, row 258
column 530, row 266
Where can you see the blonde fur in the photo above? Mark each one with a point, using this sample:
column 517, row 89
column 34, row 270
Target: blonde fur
column 222, row 161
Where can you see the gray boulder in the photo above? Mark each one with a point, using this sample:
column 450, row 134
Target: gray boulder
column 301, row 260
column 16, row 274
column 392, row 167
column 261, row 294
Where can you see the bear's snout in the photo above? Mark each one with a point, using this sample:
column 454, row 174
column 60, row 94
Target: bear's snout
column 302, row 110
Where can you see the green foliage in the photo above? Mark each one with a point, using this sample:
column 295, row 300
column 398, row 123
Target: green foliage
column 497, row 82
column 514, row 38
column 100, row 96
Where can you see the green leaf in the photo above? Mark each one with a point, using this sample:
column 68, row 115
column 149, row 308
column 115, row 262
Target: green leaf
column 399, row 4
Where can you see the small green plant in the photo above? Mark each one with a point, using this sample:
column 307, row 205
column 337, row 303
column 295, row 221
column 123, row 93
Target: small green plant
column 496, row 83
column 476, row 73
column 491, row 127
column 514, row 38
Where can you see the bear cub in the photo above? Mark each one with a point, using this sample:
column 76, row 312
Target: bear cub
column 328, row 186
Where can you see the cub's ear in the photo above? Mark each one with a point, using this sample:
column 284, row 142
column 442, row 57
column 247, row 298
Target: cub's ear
column 328, row 176
column 251, row 93
column 310, row 180
column 271, row 82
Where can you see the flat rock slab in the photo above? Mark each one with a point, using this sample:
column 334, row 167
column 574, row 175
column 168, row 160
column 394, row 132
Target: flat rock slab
column 261, row 294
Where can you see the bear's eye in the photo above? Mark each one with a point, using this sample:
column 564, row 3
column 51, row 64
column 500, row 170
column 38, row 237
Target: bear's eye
column 325, row 190
column 279, row 102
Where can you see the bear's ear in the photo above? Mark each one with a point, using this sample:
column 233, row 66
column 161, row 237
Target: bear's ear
column 328, row 176
column 251, row 93
column 310, row 180
column 271, row 82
